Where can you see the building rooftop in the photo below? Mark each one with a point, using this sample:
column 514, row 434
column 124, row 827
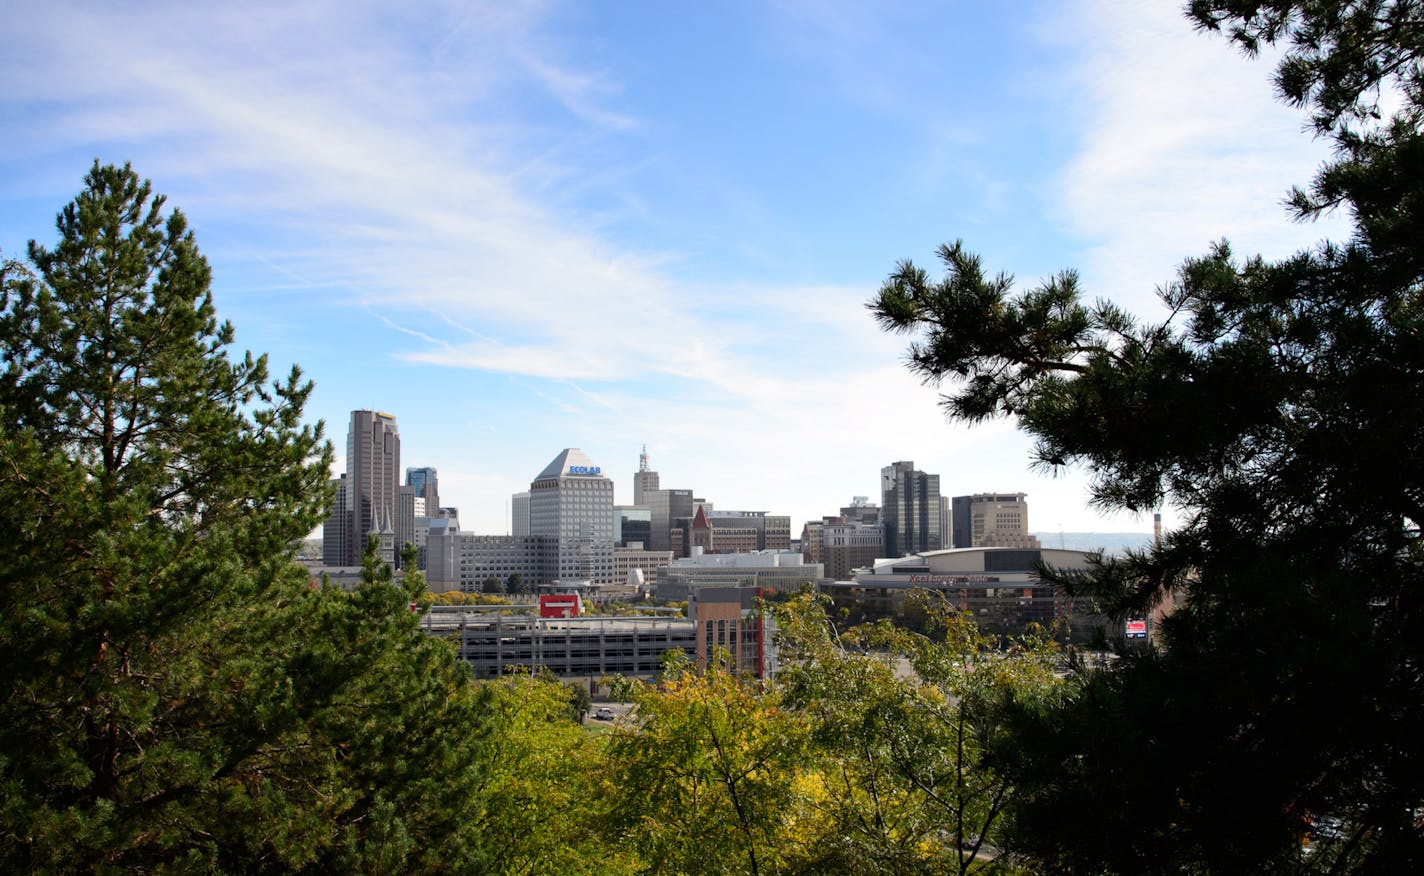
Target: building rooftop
column 570, row 461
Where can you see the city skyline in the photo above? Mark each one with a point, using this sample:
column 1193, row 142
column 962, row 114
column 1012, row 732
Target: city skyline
column 527, row 227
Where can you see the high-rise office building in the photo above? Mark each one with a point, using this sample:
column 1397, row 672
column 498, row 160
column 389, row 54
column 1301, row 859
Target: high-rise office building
column 992, row 520
column 945, row 516
column 632, row 524
column 860, row 510
column 645, row 480
column 367, row 495
column 909, row 510
column 409, row 506
column 334, row 550
column 960, row 522
column 571, row 501
column 372, row 479
column 847, row 545
column 665, row 508
column 426, row 483
column 519, row 514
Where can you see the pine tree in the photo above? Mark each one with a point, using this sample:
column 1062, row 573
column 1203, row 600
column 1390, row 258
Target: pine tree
column 1279, row 409
column 177, row 694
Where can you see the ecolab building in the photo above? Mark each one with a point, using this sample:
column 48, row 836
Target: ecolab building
column 570, row 535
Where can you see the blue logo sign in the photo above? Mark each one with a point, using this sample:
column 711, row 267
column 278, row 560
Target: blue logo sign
column 585, row 469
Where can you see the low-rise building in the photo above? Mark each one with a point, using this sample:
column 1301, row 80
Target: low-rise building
column 730, row 532
column 495, row 642
column 779, row 571
column 811, row 535
column 1000, row 587
column 463, row 561
column 731, row 623
column 626, row 559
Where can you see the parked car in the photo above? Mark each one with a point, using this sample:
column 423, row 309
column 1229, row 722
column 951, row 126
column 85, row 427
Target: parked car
column 603, row 713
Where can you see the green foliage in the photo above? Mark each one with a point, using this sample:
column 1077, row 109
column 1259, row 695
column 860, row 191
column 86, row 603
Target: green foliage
column 179, row 695
column 1338, row 54
column 580, row 701
column 1279, row 409
column 544, row 798
column 457, row 597
column 707, row 779
column 901, row 728
column 493, row 585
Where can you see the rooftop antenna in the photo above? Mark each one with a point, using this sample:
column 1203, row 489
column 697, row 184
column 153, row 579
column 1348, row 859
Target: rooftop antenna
column 643, row 459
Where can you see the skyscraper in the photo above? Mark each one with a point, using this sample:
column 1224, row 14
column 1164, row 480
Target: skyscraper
column 571, row 504
column 665, row 507
column 372, row 483
column 910, row 510
column 334, row 533
column 961, row 522
column 406, row 504
column 426, row 484
column 519, row 514
column 645, row 480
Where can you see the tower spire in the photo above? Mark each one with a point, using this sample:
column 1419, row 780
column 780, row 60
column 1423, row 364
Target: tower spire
column 643, row 459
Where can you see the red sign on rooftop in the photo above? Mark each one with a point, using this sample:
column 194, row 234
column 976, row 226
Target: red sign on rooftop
column 560, row 605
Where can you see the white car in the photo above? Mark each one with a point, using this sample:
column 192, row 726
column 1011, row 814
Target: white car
column 603, row 713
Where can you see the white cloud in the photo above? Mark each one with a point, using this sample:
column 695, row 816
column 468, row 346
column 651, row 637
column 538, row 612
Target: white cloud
column 1183, row 143
column 396, row 170
column 358, row 146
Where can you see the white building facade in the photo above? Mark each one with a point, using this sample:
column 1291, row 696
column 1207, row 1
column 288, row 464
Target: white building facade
column 571, row 504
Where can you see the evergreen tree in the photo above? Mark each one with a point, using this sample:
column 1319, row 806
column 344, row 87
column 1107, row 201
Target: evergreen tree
column 177, row 695
column 1279, row 408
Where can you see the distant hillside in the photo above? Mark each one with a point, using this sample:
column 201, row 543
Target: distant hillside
column 1108, row 542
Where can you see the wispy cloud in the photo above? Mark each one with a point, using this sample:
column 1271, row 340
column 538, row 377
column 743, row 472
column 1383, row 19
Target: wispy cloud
column 1182, row 143
column 361, row 148
column 458, row 182
column 581, row 93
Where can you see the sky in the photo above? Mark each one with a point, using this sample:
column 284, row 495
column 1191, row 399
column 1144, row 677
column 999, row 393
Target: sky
column 520, row 227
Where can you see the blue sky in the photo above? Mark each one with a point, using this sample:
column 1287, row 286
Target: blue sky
column 521, row 227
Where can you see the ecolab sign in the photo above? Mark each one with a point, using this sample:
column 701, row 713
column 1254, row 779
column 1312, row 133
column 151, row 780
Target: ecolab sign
column 585, row 469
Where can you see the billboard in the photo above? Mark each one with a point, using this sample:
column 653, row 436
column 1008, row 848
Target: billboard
column 560, row 605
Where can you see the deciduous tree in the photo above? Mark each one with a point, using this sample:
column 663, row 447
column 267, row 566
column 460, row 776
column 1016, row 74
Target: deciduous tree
column 705, row 779
column 901, row 724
